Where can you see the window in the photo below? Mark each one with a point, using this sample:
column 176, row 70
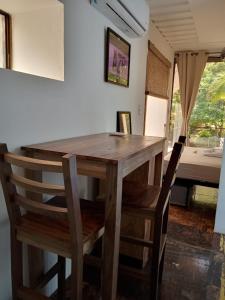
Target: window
column 156, row 116
column 207, row 123
column 158, row 72
column 4, row 40
column 157, row 80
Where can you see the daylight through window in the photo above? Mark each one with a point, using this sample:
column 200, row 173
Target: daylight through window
column 207, row 123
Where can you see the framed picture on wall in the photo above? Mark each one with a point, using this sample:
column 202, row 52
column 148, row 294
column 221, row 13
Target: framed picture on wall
column 117, row 65
column 124, row 122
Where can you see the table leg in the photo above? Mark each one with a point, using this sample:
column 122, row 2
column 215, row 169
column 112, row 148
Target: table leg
column 112, row 232
column 35, row 256
column 158, row 173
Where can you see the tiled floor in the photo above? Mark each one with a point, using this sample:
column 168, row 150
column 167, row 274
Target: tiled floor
column 194, row 260
column 194, row 257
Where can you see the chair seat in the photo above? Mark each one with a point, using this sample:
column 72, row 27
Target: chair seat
column 53, row 234
column 140, row 197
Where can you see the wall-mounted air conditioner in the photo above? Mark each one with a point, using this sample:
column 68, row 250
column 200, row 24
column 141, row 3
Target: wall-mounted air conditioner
column 130, row 16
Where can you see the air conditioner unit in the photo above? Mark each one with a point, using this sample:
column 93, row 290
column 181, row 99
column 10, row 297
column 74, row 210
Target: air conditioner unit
column 130, row 16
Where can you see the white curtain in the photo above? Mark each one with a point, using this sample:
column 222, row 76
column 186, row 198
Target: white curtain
column 190, row 68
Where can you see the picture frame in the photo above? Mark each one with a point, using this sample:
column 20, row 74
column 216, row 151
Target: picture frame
column 124, row 122
column 117, row 63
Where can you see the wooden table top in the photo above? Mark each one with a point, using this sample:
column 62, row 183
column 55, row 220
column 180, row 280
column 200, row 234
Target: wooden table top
column 102, row 146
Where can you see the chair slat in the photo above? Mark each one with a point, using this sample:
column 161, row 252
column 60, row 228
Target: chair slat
column 33, row 164
column 41, row 208
column 49, row 275
column 27, row 294
column 136, row 241
column 38, row 187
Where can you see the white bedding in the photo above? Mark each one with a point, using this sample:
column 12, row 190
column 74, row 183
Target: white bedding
column 197, row 166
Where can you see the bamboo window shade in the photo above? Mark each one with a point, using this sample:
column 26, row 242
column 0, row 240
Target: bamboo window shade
column 158, row 71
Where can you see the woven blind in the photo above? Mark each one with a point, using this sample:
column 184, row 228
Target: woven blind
column 158, row 71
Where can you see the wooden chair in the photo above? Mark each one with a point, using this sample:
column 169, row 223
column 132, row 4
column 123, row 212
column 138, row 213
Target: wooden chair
column 182, row 139
column 152, row 203
column 68, row 232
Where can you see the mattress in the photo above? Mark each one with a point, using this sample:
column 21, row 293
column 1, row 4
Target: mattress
column 194, row 165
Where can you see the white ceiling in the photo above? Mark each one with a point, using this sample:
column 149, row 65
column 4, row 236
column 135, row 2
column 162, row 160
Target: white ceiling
column 190, row 24
column 20, row 6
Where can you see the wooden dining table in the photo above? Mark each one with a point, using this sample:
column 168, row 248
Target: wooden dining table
column 111, row 159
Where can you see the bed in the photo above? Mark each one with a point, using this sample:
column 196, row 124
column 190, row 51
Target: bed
column 198, row 166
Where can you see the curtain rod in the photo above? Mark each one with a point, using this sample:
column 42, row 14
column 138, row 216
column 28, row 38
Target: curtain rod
column 196, row 53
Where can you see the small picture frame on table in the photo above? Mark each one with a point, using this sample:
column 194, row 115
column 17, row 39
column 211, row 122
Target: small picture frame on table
column 117, row 64
column 124, row 122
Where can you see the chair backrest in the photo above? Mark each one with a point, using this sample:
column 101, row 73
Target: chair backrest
column 15, row 200
column 182, row 139
column 170, row 175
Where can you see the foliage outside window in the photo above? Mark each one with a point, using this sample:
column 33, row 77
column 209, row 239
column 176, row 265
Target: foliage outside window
column 207, row 123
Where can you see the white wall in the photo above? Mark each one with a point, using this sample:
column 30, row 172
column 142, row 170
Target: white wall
column 38, row 42
column 19, row 6
column 220, row 210
column 33, row 109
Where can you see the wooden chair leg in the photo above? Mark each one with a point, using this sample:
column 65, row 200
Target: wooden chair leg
column 61, row 278
column 155, row 268
column 154, row 281
column 16, row 265
column 164, row 230
column 161, row 267
column 77, row 279
column 165, row 219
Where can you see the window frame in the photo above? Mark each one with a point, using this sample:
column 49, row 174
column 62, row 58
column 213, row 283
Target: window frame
column 7, row 38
